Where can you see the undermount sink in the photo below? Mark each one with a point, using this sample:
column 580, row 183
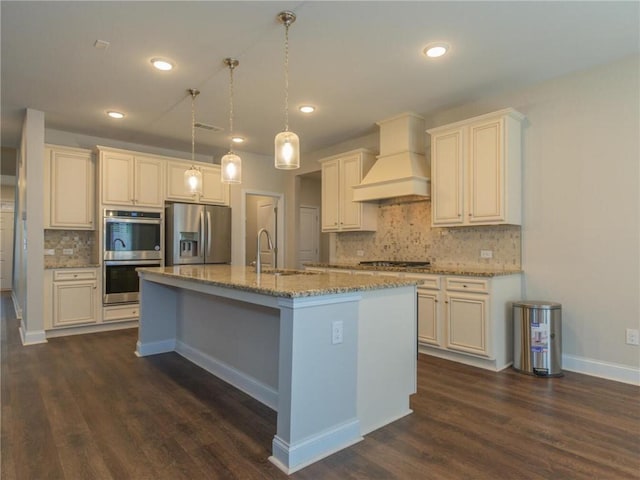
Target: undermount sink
column 284, row 273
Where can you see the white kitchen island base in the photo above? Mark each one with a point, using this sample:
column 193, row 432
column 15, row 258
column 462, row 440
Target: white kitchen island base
column 334, row 366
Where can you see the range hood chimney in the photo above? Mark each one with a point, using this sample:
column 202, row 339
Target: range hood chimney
column 401, row 169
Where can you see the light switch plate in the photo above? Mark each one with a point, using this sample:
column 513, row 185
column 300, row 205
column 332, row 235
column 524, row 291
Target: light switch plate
column 50, row 251
column 67, row 251
column 486, row 253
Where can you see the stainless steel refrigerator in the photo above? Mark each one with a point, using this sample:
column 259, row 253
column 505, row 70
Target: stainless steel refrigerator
column 197, row 234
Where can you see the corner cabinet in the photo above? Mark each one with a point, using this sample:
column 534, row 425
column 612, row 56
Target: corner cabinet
column 131, row 179
column 214, row 192
column 476, row 174
column 339, row 174
column 69, row 188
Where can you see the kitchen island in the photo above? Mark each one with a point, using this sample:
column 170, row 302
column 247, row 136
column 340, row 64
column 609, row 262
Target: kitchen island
column 333, row 354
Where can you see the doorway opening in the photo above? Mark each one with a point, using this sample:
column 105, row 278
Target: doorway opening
column 264, row 210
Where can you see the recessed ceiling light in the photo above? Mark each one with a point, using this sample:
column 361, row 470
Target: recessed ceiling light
column 114, row 114
column 237, row 139
column 307, row 108
column 434, row 50
column 162, row 64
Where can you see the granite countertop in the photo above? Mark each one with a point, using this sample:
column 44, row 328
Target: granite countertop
column 298, row 284
column 84, row 265
column 464, row 271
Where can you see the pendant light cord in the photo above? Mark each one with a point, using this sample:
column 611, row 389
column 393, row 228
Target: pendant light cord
column 231, row 67
column 286, row 77
column 193, row 127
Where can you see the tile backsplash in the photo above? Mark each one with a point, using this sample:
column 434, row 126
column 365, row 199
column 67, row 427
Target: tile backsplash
column 405, row 233
column 82, row 242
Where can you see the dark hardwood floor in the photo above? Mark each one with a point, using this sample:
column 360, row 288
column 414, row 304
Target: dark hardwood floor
column 84, row 407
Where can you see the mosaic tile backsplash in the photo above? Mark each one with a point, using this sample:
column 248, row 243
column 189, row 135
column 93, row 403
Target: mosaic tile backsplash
column 405, row 233
column 81, row 241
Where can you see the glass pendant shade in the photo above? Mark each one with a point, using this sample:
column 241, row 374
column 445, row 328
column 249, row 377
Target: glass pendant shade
column 231, row 168
column 287, row 151
column 193, row 180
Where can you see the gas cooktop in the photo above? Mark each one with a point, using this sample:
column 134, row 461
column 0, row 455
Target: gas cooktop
column 394, row 263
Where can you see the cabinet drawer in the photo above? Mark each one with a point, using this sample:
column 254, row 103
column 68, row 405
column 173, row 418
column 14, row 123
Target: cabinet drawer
column 429, row 282
column 121, row 312
column 478, row 285
column 64, row 275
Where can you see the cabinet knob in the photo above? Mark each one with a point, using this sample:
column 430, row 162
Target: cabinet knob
column 75, row 275
column 464, row 286
column 436, row 300
column 446, row 301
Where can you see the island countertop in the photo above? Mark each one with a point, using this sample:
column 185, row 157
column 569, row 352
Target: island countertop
column 288, row 284
column 435, row 270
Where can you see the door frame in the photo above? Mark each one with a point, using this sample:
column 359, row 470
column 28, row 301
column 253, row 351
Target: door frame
column 280, row 221
column 318, row 230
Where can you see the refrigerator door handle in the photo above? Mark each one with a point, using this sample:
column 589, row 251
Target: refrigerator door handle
column 202, row 235
column 208, row 232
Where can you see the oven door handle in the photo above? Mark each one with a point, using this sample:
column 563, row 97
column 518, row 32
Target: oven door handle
column 115, row 263
column 150, row 221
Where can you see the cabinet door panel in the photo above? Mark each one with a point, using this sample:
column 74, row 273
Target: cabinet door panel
column 448, row 178
column 330, row 196
column 351, row 175
column 428, row 317
column 176, row 188
column 117, row 179
column 467, row 317
column 486, row 168
column 148, row 182
column 72, row 188
column 74, row 303
column 213, row 190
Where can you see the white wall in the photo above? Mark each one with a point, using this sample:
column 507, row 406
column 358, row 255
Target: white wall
column 581, row 230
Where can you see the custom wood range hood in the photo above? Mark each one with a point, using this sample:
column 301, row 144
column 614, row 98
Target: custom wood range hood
column 401, row 169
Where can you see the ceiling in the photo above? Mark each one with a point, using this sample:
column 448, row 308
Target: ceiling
column 358, row 62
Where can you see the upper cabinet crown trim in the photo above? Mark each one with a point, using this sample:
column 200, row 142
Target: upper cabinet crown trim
column 506, row 112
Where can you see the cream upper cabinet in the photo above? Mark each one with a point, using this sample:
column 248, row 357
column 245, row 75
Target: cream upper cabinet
column 476, row 171
column 339, row 174
column 213, row 190
column 69, row 188
column 131, row 179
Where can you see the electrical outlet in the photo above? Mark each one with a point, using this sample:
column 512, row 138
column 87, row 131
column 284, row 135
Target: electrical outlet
column 67, row 251
column 49, row 251
column 336, row 332
column 486, row 253
column 633, row 336
column 360, row 253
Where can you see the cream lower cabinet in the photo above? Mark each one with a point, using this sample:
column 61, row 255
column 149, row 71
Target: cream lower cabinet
column 339, row 212
column 69, row 188
column 467, row 319
column 74, row 297
column 476, row 171
column 214, row 192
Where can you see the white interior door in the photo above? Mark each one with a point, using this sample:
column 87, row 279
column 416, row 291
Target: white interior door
column 309, row 235
column 266, row 216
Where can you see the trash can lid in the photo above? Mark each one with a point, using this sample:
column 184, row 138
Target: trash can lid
column 538, row 304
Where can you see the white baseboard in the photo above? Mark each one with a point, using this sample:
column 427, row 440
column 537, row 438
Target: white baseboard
column 598, row 368
column 291, row 458
column 154, row 348
column 261, row 392
column 32, row 337
column 97, row 328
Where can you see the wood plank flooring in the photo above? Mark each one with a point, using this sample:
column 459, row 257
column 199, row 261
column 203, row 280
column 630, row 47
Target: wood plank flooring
column 84, row 407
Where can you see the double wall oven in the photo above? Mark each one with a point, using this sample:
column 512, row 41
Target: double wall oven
column 131, row 240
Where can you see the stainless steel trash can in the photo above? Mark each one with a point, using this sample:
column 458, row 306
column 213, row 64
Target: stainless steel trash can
column 537, row 338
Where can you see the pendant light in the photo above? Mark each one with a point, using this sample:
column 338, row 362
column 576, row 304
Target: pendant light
column 193, row 176
column 231, row 164
column 287, row 144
